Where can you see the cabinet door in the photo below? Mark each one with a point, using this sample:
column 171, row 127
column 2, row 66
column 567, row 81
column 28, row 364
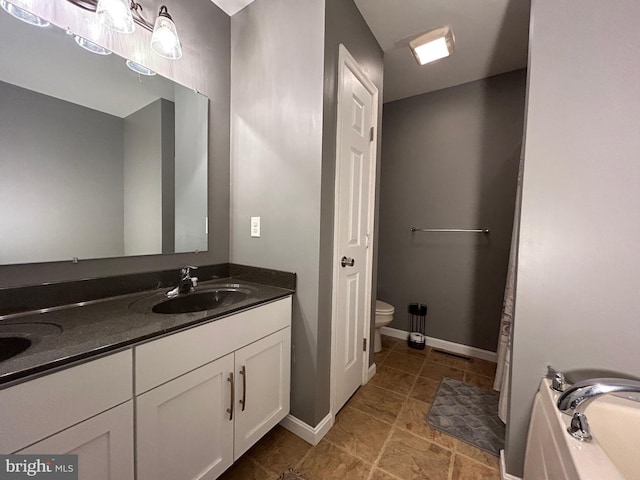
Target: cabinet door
column 263, row 371
column 183, row 429
column 104, row 445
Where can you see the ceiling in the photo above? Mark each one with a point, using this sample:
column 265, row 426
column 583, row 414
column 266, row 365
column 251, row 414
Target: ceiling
column 231, row 7
column 491, row 38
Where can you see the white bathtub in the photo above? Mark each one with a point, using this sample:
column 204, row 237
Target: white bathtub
column 613, row 454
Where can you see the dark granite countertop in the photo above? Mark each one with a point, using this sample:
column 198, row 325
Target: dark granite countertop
column 66, row 335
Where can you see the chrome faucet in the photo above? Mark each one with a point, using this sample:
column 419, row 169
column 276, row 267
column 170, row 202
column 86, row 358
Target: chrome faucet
column 186, row 284
column 575, row 399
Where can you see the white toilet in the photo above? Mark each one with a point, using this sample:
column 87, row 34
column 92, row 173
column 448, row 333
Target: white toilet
column 384, row 316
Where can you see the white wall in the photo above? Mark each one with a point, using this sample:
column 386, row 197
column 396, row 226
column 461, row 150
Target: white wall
column 577, row 301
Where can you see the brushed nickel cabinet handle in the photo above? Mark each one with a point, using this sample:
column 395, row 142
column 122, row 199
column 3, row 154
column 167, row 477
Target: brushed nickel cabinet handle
column 243, row 402
column 233, row 395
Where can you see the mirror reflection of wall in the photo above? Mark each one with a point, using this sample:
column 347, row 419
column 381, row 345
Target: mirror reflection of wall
column 95, row 160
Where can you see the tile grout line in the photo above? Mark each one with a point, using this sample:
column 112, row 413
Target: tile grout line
column 475, row 460
column 260, row 466
column 371, row 415
column 344, row 450
column 391, row 430
column 387, row 439
column 304, row 457
column 454, row 450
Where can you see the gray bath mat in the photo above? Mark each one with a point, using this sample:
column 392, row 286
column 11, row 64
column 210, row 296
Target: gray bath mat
column 469, row 413
column 291, row 474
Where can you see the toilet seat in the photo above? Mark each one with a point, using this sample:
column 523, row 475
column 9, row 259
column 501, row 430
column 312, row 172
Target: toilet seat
column 384, row 307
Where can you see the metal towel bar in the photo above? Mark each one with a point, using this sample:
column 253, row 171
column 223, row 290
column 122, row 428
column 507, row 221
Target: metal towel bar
column 451, row 230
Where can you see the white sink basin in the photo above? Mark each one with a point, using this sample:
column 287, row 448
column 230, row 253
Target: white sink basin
column 615, row 424
column 612, row 454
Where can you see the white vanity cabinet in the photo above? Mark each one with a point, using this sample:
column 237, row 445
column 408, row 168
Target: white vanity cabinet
column 104, row 445
column 183, row 428
column 200, row 398
column 205, row 395
column 85, row 410
column 262, row 381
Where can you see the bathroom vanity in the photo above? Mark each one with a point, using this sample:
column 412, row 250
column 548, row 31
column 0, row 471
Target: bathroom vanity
column 181, row 403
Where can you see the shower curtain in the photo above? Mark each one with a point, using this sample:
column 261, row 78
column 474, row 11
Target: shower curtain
column 502, row 382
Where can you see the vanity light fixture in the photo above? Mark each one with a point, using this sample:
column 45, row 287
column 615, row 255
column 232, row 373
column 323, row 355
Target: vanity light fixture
column 116, row 14
column 22, row 14
column 433, row 45
column 164, row 40
column 122, row 15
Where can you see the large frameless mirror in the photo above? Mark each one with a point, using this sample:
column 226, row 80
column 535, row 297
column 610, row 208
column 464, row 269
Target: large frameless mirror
column 96, row 160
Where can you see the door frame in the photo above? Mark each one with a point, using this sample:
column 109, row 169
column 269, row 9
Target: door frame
column 346, row 60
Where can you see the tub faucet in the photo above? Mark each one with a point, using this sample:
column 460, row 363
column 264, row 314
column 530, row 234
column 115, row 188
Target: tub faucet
column 575, row 399
column 186, row 284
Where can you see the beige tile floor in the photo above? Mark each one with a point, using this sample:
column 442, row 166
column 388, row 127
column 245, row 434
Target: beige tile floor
column 381, row 434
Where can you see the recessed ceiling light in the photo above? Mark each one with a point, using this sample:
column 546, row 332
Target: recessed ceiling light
column 433, row 45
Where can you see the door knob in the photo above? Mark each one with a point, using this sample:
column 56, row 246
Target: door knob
column 347, row 262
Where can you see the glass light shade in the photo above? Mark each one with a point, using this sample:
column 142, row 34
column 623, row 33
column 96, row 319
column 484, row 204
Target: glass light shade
column 141, row 69
column 164, row 40
column 116, row 14
column 433, row 45
column 91, row 46
column 22, row 14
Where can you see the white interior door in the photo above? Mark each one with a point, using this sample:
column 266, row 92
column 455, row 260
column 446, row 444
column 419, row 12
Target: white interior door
column 355, row 171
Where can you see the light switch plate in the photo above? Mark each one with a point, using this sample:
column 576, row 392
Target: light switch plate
column 255, row 226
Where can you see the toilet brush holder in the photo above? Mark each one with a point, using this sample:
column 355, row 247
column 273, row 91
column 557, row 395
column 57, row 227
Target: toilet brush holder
column 417, row 324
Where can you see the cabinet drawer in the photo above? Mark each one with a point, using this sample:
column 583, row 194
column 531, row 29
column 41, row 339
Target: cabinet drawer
column 161, row 360
column 36, row 409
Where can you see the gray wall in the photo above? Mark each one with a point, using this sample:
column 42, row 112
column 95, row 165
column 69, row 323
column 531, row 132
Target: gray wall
column 276, row 123
column 190, row 172
column 204, row 33
column 577, row 300
column 343, row 24
column 283, row 128
column 47, row 147
column 450, row 160
column 143, row 180
column 168, row 177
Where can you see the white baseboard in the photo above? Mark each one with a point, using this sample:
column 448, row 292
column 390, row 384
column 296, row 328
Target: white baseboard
column 503, row 469
column 445, row 345
column 372, row 371
column 309, row 434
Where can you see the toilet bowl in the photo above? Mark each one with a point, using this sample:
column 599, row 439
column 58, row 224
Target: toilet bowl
column 384, row 316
